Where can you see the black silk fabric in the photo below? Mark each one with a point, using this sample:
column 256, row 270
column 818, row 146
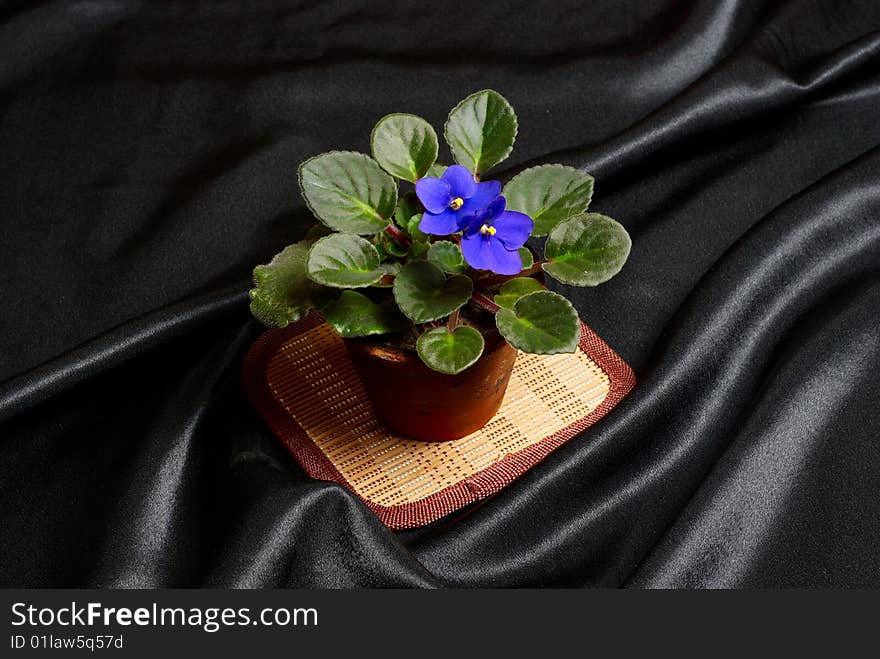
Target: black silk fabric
column 147, row 163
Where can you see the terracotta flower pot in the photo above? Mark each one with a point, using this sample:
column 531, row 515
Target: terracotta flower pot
column 420, row 403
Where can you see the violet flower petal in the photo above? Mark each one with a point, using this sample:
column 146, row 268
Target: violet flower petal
column 460, row 181
column 486, row 193
column 434, row 193
column 487, row 253
column 440, row 224
column 513, row 228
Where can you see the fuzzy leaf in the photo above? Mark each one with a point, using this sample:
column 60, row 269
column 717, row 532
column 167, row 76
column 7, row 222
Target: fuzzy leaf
column 344, row 261
column 418, row 250
column 424, row 293
column 514, row 289
column 407, row 206
column 549, row 194
column 354, row 314
column 447, row 256
column 283, row 293
column 389, row 268
column 528, row 260
column 412, row 228
column 436, row 170
column 405, row 145
column 450, row 352
column 541, row 323
column 348, row 192
column 481, row 130
column 586, row 250
column 390, row 246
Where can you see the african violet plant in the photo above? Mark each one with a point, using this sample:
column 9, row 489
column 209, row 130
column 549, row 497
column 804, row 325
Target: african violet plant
column 383, row 262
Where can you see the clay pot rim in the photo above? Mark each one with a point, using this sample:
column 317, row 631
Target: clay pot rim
column 391, row 353
column 384, row 352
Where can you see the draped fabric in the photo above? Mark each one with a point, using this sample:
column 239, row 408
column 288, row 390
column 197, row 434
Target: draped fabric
column 147, row 163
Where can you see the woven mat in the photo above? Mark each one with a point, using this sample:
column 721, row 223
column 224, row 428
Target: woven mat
column 301, row 381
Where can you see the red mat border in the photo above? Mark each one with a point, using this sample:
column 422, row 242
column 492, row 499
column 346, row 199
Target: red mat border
column 479, row 486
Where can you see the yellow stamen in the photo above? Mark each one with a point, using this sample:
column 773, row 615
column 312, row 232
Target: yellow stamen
column 486, row 230
column 456, row 203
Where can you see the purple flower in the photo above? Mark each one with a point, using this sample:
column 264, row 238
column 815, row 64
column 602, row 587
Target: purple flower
column 493, row 236
column 452, row 199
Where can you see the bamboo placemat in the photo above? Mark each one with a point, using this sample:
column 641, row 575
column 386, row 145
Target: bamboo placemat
column 301, row 380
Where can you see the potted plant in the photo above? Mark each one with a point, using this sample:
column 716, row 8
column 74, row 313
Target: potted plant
column 424, row 271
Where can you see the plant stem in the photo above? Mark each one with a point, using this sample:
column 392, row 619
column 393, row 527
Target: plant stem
column 398, row 235
column 452, row 323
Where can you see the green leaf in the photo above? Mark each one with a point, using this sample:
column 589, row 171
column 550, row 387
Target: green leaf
column 447, row 256
column 391, row 267
column 436, row 170
column 405, row 145
column 407, row 206
column 420, row 245
column 424, row 294
column 344, row 261
column 514, row 289
column 586, row 250
column 354, row 314
column 390, row 246
column 412, row 228
column 418, row 250
column 549, row 194
column 541, row 323
column 528, row 260
column 283, row 293
column 450, row 352
column 348, row 192
column 481, row 130
column 388, row 268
